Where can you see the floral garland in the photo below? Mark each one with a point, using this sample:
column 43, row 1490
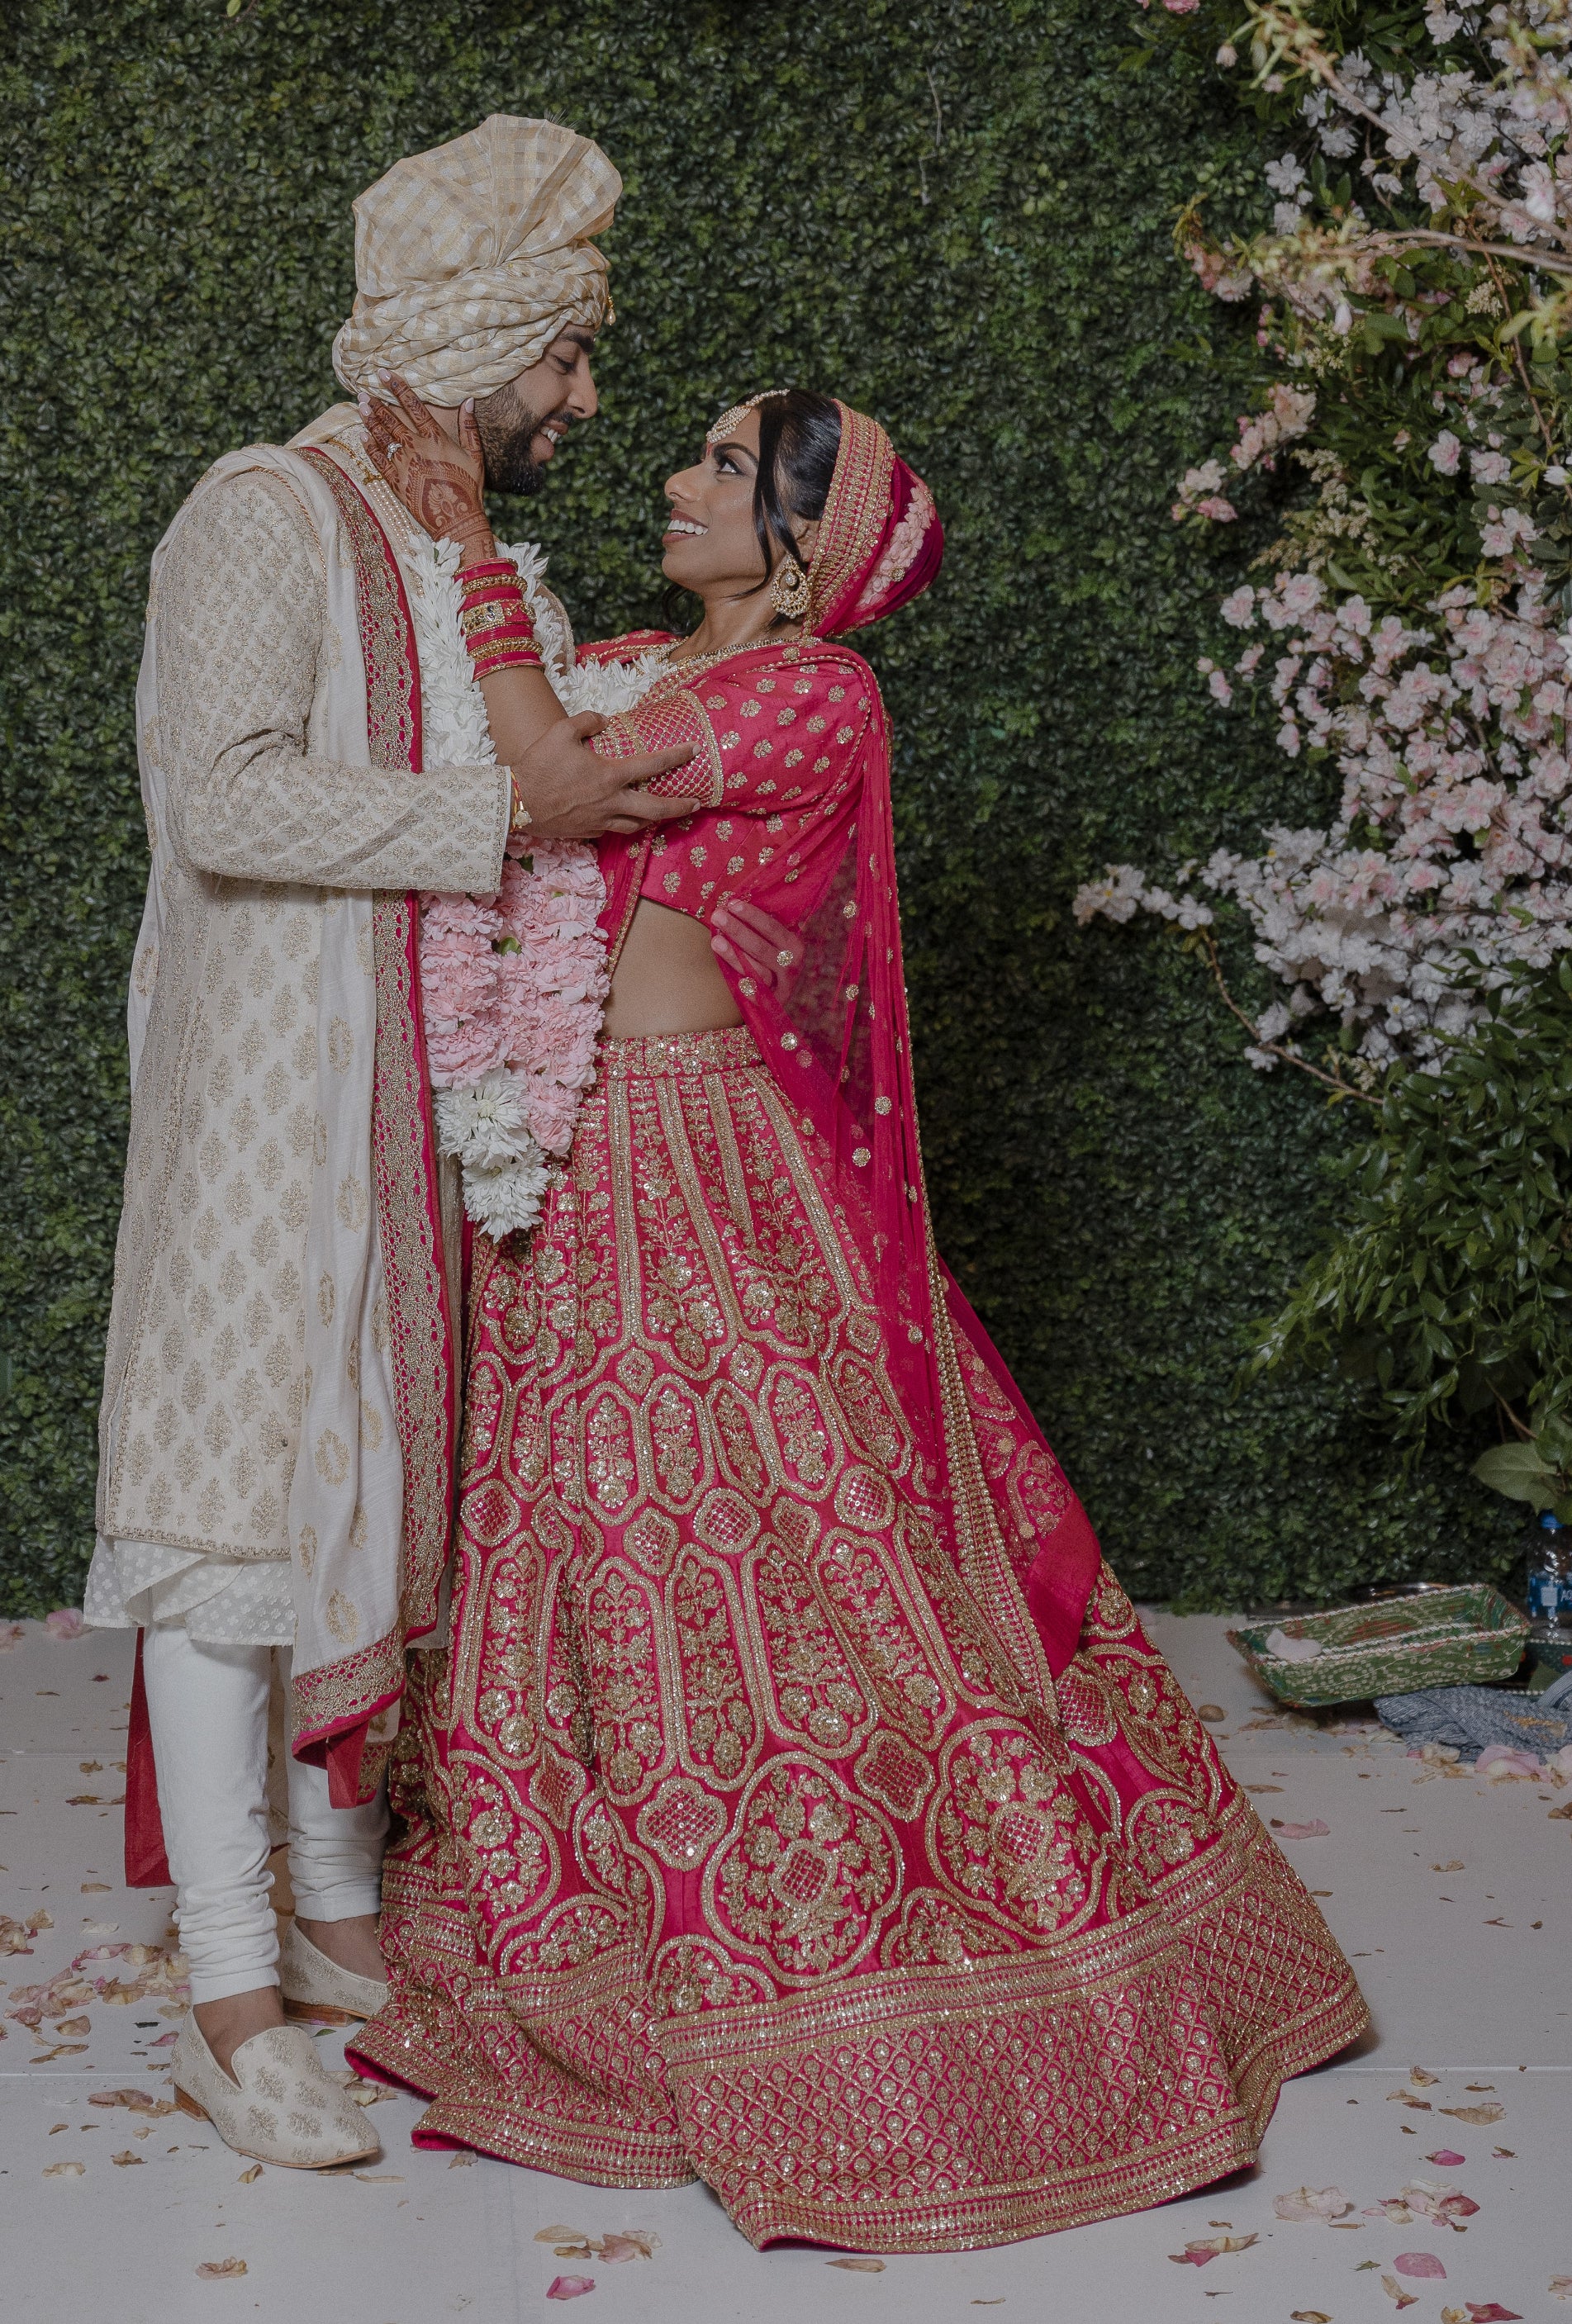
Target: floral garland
column 512, row 985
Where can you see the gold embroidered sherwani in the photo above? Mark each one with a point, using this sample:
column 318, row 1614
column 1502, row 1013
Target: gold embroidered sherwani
column 261, row 836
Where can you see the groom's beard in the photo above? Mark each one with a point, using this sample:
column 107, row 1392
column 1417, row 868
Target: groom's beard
column 508, row 426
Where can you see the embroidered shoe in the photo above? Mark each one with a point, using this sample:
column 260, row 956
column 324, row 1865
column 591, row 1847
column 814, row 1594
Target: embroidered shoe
column 316, row 1989
column 276, row 2104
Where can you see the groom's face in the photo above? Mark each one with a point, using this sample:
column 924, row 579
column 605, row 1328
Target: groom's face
column 522, row 423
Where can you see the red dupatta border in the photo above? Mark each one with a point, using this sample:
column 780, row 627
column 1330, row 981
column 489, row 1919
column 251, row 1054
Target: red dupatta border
column 147, row 1863
column 336, row 1706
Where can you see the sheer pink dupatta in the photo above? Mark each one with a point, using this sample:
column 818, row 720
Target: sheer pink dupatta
column 839, row 1044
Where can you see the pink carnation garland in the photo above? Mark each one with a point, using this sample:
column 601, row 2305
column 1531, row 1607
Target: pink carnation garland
column 517, row 983
column 512, row 987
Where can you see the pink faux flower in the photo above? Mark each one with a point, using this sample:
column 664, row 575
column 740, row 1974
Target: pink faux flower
column 518, row 981
column 65, row 1622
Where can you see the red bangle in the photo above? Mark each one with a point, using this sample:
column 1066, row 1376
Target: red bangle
column 510, row 657
column 493, row 593
column 485, row 620
column 482, row 640
column 501, row 569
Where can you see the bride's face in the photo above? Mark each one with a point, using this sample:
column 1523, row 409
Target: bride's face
column 710, row 543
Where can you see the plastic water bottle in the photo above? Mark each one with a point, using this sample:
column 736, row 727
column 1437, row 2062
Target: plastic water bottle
column 1549, row 1563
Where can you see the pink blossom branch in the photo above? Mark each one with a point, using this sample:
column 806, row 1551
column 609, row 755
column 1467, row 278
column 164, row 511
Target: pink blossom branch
column 1208, row 945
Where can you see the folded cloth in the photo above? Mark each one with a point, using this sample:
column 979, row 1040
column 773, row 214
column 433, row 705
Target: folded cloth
column 1471, row 1718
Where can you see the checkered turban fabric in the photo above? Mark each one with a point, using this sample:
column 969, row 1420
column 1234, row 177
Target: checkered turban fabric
column 471, row 258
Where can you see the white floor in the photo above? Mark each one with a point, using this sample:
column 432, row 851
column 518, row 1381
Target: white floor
column 1452, row 1896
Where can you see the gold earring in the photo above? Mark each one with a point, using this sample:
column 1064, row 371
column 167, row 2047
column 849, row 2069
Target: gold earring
column 788, row 590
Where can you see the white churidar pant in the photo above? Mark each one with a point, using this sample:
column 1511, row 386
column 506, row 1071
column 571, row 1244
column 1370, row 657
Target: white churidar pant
column 207, row 1707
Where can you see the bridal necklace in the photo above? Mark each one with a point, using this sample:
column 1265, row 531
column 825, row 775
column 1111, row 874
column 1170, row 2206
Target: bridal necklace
column 691, row 664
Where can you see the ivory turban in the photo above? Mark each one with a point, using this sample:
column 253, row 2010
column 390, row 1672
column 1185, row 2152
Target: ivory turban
column 471, row 258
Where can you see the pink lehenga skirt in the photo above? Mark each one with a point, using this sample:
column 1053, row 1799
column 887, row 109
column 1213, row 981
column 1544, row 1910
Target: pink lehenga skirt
column 737, row 1847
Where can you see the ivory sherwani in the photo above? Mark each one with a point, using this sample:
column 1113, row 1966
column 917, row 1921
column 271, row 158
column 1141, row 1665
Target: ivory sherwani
column 271, row 824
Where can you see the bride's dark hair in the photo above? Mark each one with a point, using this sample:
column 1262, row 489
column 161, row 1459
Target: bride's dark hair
column 799, row 438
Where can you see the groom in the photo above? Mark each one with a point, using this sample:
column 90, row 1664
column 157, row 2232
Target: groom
column 282, row 1386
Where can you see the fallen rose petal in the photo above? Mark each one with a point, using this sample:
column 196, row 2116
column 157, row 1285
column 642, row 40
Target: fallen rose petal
column 1445, row 2156
column 139, row 2101
column 246, row 2177
column 64, row 2170
column 1478, row 2114
column 466, row 2163
column 559, row 2235
column 213, row 2270
column 11, row 1635
column 1210, row 2247
column 860, row 2266
column 126, row 2158
column 1491, row 2311
column 1422, row 2264
column 633, row 2243
column 1312, row 2203
column 1394, row 2291
column 1316, row 1829
column 569, row 2287
column 1308, row 2316
column 1561, row 2287
column 65, row 1622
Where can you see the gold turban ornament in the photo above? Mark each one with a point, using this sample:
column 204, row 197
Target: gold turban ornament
column 471, row 258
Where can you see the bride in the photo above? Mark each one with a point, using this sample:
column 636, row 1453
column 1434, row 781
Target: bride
column 800, row 1805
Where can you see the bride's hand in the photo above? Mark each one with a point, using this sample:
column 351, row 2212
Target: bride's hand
column 749, row 940
column 440, row 482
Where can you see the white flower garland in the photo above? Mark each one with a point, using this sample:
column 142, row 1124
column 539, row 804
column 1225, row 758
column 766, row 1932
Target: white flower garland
column 485, row 1123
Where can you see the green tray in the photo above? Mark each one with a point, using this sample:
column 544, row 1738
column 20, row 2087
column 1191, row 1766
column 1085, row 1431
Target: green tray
column 1396, row 1645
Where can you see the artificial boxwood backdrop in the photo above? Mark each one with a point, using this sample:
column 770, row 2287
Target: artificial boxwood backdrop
column 954, row 213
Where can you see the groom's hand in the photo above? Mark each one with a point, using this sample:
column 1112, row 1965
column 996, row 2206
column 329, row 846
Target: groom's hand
column 572, row 792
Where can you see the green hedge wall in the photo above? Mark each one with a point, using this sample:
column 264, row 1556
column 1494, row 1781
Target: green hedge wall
column 954, row 212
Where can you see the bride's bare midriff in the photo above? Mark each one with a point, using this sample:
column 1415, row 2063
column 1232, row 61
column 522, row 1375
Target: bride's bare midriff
column 667, row 979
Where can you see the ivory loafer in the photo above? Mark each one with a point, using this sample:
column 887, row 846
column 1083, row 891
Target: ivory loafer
column 276, row 2104
column 316, row 1989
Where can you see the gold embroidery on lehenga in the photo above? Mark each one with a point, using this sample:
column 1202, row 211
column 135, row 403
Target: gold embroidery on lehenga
column 718, row 1731
column 681, row 1824
column 818, row 1700
column 620, row 1638
column 894, row 1644
column 1007, row 1835
column 844, row 1919
column 807, row 1875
